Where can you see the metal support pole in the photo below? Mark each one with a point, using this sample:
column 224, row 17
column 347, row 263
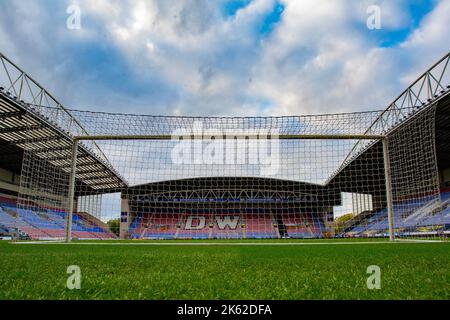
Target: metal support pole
column 387, row 173
column 71, row 190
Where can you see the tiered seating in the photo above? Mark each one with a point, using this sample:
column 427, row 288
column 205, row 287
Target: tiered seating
column 376, row 222
column 234, row 224
column 4, row 231
column 439, row 219
column 296, row 227
column 85, row 226
column 12, row 221
column 300, row 225
column 318, row 226
column 9, row 223
column 171, row 226
column 445, row 195
column 48, row 223
column 187, row 233
column 261, row 226
column 136, row 227
column 410, row 215
column 443, row 217
column 42, row 222
column 227, row 232
column 216, row 226
column 160, row 226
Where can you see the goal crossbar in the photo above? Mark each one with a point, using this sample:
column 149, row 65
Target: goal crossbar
column 240, row 136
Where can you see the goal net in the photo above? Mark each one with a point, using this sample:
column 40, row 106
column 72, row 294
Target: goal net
column 324, row 176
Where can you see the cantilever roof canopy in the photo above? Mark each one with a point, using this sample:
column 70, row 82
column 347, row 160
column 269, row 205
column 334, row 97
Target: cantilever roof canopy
column 33, row 120
column 443, row 133
column 32, row 132
column 232, row 190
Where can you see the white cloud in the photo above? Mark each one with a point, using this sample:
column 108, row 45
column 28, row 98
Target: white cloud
column 195, row 61
column 318, row 61
column 432, row 36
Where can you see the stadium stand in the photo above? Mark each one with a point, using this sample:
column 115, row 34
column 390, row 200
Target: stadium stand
column 160, row 226
column 195, row 226
column 232, row 225
column 48, row 223
column 411, row 215
column 304, row 226
column 261, row 226
column 4, row 232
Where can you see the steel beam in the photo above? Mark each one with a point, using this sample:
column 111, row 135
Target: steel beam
column 67, row 158
column 37, row 140
column 22, row 128
column 50, row 149
column 92, row 171
column 12, row 114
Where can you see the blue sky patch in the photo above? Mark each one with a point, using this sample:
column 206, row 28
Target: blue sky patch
column 231, row 7
column 418, row 10
column 272, row 19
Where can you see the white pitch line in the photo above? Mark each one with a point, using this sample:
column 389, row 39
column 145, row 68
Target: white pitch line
column 420, row 241
column 193, row 244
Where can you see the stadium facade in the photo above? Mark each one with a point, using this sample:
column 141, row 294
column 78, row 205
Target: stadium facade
column 210, row 177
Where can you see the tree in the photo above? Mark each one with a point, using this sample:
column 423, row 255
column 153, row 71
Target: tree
column 340, row 222
column 114, row 226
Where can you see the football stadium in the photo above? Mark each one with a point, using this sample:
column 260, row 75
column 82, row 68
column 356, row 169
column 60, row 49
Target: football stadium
column 251, row 199
column 171, row 178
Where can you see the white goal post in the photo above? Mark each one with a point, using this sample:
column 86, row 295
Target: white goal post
column 370, row 139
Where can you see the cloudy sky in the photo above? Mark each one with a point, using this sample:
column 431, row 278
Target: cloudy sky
column 218, row 57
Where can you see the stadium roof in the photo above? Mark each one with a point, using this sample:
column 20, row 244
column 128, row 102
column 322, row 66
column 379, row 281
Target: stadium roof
column 231, row 190
column 33, row 120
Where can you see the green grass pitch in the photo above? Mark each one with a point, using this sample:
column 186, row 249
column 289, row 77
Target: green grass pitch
column 135, row 270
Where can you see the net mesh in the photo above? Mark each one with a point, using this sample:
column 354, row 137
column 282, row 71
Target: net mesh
column 205, row 178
